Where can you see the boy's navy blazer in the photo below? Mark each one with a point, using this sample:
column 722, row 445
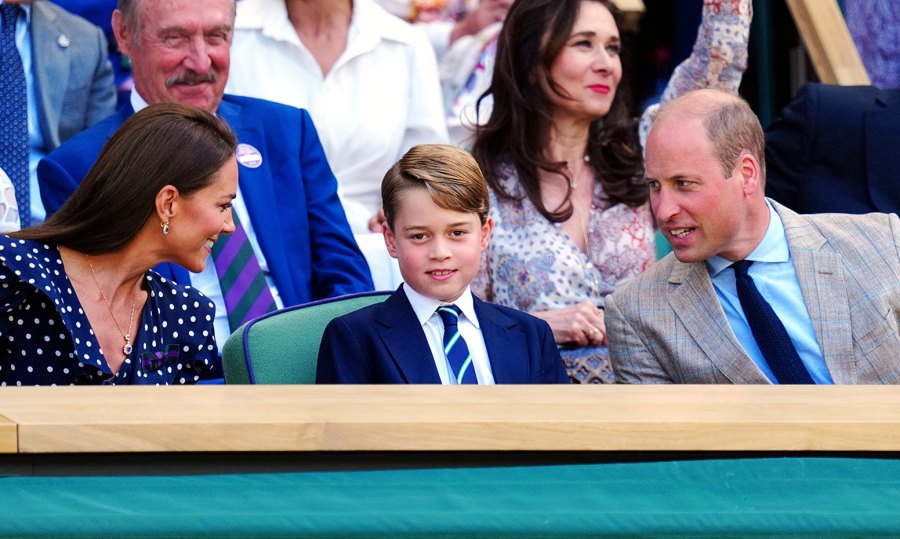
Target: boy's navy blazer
column 385, row 344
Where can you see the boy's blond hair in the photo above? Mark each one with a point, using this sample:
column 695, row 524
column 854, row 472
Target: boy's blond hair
column 450, row 174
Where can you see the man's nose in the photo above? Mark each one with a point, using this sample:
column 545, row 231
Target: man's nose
column 198, row 58
column 664, row 205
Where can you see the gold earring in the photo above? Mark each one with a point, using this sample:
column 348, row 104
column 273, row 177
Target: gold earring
column 165, row 228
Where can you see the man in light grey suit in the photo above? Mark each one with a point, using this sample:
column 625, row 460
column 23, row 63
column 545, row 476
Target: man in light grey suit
column 832, row 280
column 70, row 80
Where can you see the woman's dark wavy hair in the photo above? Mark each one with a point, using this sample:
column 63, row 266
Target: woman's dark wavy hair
column 518, row 130
column 163, row 144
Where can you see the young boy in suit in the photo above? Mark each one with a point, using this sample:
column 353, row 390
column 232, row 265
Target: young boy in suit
column 432, row 329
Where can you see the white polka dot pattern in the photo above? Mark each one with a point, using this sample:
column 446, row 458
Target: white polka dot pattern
column 45, row 337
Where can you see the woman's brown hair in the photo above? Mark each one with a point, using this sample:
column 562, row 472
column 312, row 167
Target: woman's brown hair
column 518, row 130
column 163, row 144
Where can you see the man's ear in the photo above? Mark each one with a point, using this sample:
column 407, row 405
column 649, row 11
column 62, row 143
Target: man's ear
column 167, row 200
column 124, row 34
column 389, row 240
column 749, row 173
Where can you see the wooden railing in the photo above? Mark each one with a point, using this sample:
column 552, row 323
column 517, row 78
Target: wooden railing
column 435, row 418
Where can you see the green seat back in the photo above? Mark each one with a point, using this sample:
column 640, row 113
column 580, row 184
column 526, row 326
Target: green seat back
column 283, row 347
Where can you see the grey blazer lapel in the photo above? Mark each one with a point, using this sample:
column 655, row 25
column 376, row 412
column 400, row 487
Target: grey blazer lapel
column 50, row 66
column 820, row 273
column 698, row 308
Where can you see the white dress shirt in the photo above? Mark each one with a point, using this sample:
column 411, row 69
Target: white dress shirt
column 381, row 97
column 469, row 328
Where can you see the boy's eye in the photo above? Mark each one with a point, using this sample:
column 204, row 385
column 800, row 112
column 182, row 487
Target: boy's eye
column 417, row 237
column 458, row 233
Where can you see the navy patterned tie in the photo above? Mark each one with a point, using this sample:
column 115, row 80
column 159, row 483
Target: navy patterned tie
column 455, row 347
column 14, row 114
column 768, row 331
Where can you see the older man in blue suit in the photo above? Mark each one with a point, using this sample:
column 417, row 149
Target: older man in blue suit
column 287, row 200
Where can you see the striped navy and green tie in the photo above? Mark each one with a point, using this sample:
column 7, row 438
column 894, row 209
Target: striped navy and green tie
column 244, row 288
column 455, row 347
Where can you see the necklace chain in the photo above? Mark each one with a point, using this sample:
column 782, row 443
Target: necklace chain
column 570, row 166
column 125, row 334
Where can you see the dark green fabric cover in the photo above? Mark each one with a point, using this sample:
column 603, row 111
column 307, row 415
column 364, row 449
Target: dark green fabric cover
column 780, row 497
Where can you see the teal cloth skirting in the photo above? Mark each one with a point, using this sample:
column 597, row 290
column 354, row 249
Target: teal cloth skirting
column 704, row 498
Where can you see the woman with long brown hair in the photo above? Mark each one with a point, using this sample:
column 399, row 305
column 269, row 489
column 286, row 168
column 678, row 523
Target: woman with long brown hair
column 78, row 304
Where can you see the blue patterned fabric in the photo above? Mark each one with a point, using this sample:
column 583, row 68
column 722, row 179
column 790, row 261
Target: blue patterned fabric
column 46, row 338
column 14, row 113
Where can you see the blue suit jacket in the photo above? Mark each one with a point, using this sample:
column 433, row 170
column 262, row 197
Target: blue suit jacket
column 291, row 198
column 385, row 344
column 835, row 150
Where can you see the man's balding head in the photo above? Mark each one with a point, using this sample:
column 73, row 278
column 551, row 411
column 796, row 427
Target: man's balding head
column 731, row 126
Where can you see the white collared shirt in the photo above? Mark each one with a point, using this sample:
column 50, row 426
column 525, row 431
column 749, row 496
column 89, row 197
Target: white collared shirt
column 381, row 97
column 469, row 327
column 207, row 281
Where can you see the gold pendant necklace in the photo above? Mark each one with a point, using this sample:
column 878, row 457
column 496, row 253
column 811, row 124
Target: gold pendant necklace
column 125, row 334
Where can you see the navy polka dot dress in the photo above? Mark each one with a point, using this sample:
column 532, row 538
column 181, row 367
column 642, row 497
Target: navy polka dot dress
column 46, row 339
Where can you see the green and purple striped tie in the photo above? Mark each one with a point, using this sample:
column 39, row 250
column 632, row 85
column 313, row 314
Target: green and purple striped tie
column 244, row 288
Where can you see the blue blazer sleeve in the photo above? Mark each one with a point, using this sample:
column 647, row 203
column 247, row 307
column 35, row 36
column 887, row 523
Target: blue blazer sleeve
column 552, row 370
column 56, row 184
column 342, row 358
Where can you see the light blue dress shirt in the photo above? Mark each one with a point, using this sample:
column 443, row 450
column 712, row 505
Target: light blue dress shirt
column 776, row 279
column 35, row 137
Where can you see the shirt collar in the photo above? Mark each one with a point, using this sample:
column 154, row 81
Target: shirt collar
column 137, row 102
column 772, row 248
column 424, row 307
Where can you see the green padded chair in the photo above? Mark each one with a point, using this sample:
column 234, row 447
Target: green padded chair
column 282, row 347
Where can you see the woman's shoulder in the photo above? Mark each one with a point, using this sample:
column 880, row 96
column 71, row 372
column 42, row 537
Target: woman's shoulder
column 30, row 260
column 167, row 290
column 8, row 245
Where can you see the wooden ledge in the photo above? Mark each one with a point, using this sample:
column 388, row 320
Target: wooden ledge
column 435, row 418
